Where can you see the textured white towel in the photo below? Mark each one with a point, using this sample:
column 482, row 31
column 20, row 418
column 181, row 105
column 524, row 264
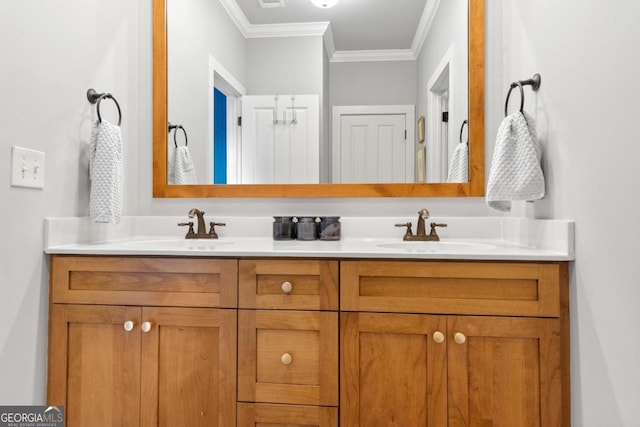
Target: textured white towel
column 515, row 169
column 106, row 172
column 181, row 170
column 459, row 167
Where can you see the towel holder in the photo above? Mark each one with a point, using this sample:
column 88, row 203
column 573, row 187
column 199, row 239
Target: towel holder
column 175, row 128
column 534, row 82
column 465, row 122
column 95, row 97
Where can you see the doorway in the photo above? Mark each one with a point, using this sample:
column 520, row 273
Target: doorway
column 373, row 144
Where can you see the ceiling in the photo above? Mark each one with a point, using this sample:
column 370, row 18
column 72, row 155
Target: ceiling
column 356, row 25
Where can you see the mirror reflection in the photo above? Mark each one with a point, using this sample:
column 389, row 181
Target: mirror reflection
column 256, row 97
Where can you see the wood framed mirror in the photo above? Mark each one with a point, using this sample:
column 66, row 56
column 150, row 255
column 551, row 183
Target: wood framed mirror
column 473, row 188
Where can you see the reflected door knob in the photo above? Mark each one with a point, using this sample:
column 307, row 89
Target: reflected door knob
column 146, row 326
column 459, row 338
column 286, row 359
column 128, row 325
column 438, row 337
column 287, row 287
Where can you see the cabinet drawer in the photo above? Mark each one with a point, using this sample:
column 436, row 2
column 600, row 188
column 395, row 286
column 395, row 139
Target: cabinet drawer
column 256, row 415
column 187, row 282
column 511, row 289
column 288, row 357
column 289, row 284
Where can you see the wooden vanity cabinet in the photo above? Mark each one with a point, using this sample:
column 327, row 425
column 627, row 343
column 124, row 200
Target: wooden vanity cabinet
column 288, row 343
column 308, row 342
column 454, row 343
column 114, row 360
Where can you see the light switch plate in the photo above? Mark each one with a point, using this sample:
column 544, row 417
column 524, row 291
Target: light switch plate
column 27, row 167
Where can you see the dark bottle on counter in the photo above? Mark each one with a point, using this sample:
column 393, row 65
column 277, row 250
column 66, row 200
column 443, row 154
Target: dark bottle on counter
column 283, row 228
column 307, row 228
column 329, row 228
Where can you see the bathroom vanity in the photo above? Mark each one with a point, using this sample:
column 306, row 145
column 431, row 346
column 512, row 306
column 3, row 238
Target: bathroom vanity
column 206, row 337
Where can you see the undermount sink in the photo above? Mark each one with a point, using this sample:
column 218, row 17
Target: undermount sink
column 436, row 246
column 185, row 244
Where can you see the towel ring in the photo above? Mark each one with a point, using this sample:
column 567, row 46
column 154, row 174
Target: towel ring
column 534, row 82
column 506, row 104
column 175, row 128
column 465, row 122
column 95, row 97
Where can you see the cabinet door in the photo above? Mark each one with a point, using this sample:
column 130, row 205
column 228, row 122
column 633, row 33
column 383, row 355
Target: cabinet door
column 392, row 370
column 94, row 364
column 189, row 367
column 504, row 372
column 288, row 357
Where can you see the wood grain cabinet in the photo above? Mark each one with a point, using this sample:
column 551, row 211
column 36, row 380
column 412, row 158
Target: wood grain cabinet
column 144, row 341
column 288, row 343
column 137, row 365
column 504, row 362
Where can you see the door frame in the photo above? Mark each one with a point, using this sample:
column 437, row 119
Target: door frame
column 221, row 78
column 437, row 151
column 346, row 110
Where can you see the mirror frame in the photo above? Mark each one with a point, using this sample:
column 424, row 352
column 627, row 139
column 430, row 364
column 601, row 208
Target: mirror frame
column 475, row 186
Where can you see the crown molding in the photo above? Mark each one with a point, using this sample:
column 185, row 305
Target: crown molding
column 287, row 30
column 237, row 16
column 323, row 29
column 329, row 45
column 428, row 15
column 373, row 55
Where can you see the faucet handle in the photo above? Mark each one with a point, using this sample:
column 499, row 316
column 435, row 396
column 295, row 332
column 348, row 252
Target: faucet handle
column 408, row 225
column 433, row 230
column 190, row 225
column 212, row 230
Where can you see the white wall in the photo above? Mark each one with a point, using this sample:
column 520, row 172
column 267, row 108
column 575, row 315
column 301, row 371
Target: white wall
column 196, row 30
column 52, row 52
column 446, row 41
column 586, row 111
column 285, row 65
column 373, row 83
column 325, row 118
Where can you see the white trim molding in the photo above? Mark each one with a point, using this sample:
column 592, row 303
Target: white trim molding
column 302, row 29
column 428, row 15
column 373, row 55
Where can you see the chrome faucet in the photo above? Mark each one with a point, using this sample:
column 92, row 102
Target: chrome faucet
column 421, row 234
column 201, row 232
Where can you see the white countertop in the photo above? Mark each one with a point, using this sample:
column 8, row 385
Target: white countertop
column 470, row 238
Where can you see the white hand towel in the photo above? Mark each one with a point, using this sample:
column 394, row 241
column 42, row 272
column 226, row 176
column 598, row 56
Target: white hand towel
column 106, row 172
column 459, row 167
column 515, row 169
column 181, row 169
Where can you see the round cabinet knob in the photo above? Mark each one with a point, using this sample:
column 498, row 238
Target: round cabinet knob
column 287, row 287
column 438, row 337
column 459, row 338
column 128, row 326
column 146, row 326
column 286, row 359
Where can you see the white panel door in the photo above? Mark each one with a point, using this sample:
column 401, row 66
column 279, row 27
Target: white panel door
column 372, row 148
column 280, row 141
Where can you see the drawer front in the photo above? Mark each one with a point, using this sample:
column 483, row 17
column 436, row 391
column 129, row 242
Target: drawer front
column 289, row 284
column 492, row 288
column 259, row 415
column 186, row 282
column 288, row 357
